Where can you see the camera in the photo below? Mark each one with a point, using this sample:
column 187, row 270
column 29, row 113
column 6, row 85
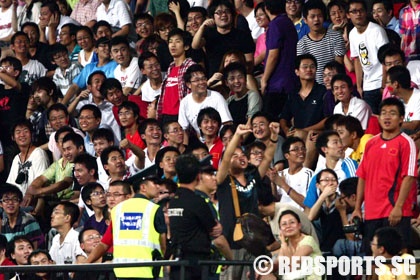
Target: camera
column 356, row 227
column 22, row 177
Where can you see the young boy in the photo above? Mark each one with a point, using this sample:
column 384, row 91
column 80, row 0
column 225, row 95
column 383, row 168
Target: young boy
column 174, row 87
column 65, row 71
column 93, row 195
column 102, row 138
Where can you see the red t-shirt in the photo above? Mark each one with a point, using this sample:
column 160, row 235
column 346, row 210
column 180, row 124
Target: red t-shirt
column 6, row 262
column 136, row 140
column 384, row 165
column 171, row 96
column 216, row 151
column 142, row 106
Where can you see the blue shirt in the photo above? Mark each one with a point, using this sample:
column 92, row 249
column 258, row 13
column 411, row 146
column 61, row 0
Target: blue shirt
column 108, row 69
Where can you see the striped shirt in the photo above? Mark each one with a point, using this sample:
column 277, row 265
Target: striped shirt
column 324, row 50
column 26, row 224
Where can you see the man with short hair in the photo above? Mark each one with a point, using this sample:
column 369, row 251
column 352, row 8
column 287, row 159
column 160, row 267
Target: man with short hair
column 67, row 37
column 383, row 13
column 15, row 221
column 117, row 14
column 89, row 121
column 174, row 135
column 200, row 98
column 196, row 15
column 365, row 40
column 151, row 134
column 220, row 28
column 65, row 246
column 102, row 138
column 324, row 44
column 41, row 257
column 51, row 21
column 349, row 105
column 118, row 191
column 388, row 193
column 93, row 196
column 294, row 12
column 246, row 9
column 127, row 71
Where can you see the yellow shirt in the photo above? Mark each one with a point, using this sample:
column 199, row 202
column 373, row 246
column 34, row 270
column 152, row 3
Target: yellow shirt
column 358, row 153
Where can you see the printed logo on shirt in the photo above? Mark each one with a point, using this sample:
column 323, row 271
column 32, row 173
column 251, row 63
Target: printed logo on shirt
column 383, row 146
column 131, row 221
column 393, row 152
column 176, row 212
column 172, row 81
column 314, row 102
column 363, row 54
column 4, row 104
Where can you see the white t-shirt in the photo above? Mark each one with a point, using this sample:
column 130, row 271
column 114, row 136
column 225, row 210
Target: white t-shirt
column 412, row 108
column 299, row 182
column 35, row 165
column 198, row 3
column 148, row 94
column 365, row 46
column 256, row 30
column 118, row 13
column 63, row 20
column 189, row 109
column 129, row 77
column 358, row 108
column 6, row 22
column 414, row 67
column 31, row 71
column 68, row 250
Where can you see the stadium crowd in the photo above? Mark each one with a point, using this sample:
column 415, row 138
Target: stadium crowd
column 142, row 130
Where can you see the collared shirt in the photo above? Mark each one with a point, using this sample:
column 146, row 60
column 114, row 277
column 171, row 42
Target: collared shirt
column 182, row 88
column 85, row 11
column 394, row 24
column 64, row 80
column 117, row 14
column 410, row 31
column 67, row 251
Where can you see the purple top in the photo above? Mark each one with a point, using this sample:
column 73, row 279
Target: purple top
column 281, row 34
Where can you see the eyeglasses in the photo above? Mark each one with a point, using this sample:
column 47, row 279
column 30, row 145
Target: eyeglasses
column 125, row 114
column 176, row 131
column 98, row 193
column 6, row 67
column 298, row 149
column 10, row 199
column 257, row 153
column 142, row 24
column 357, row 11
column 166, row 28
column 116, row 195
column 221, row 12
column 93, row 237
column 328, row 180
column 198, row 80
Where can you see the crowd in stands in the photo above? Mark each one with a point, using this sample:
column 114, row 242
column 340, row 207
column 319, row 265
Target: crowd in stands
column 309, row 109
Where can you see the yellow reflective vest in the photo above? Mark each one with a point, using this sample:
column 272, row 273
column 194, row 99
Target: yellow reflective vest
column 134, row 236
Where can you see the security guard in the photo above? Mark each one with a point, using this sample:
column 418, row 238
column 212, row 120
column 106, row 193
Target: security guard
column 190, row 219
column 135, row 230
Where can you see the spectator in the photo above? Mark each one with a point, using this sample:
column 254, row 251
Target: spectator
column 117, row 14
column 51, row 22
column 337, row 13
column 18, row 250
column 93, row 195
column 174, row 87
column 229, row 37
column 118, row 191
column 278, row 79
column 31, row 69
column 84, row 38
column 84, row 12
column 31, row 162
column 112, row 159
column 409, row 30
column 102, row 138
column 30, row 13
column 15, row 221
column 65, row 248
column 104, row 64
column 41, row 257
column 246, row 9
column 143, row 24
column 67, row 37
column 66, row 71
column 127, row 71
column 174, row 136
column 294, row 12
column 8, row 22
column 310, row 99
column 165, row 162
column 383, row 13
column 263, row 21
column 385, row 205
column 324, row 44
column 242, row 102
column 349, row 105
column 200, row 98
column 294, row 180
column 90, row 120
column 102, row 29
column 365, row 40
column 4, row 260
column 195, row 17
column 151, row 134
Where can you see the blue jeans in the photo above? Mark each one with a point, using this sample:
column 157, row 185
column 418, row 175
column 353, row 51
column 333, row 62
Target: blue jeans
column 373, row 98
column 344, row 247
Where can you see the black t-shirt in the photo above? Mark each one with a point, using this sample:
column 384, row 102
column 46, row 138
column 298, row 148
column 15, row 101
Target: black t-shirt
column 238, row 109
column 218, row 44
column 13, row 105
column 249, row 196
column 331, row 228
column 190, row 222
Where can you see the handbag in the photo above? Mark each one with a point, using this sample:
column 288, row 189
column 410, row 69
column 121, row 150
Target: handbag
column 250, row 232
